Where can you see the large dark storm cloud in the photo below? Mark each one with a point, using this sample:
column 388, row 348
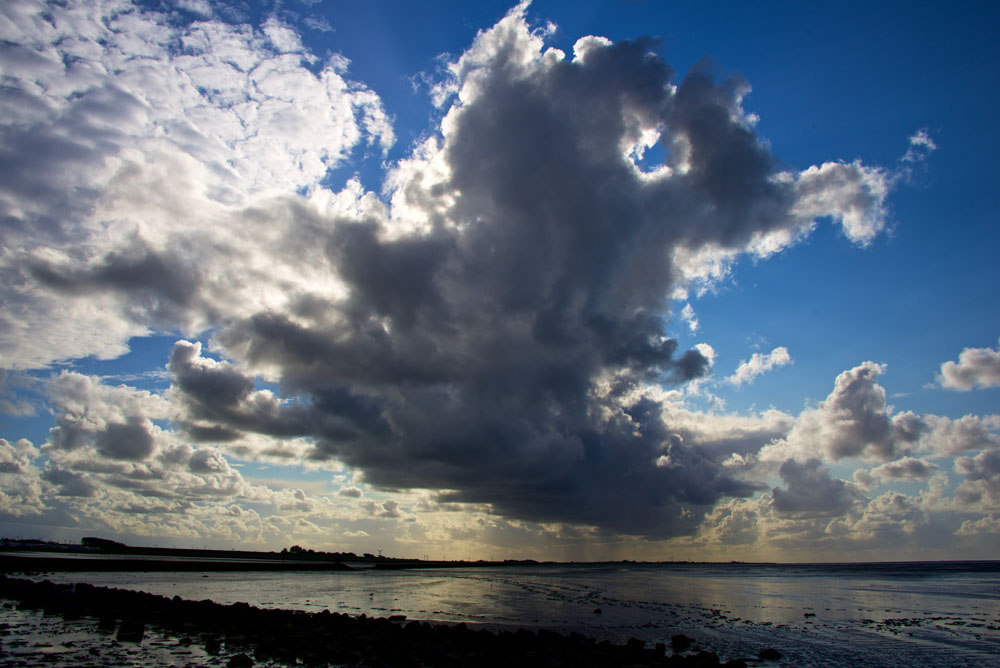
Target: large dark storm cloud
column 497, row 332
column 495, row 354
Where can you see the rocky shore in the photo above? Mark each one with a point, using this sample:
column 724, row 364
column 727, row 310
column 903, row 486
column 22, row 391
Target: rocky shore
column 253, row 636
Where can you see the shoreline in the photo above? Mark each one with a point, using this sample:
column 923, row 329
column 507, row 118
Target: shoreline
column 71, row 564
column 102, row 549
column 324, row 638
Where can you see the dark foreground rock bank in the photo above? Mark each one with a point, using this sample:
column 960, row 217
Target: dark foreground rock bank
column 325, row 637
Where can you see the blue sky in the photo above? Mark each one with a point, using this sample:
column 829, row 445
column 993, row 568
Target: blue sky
column 395, row 276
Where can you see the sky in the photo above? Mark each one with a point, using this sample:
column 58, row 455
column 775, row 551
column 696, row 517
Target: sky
column 588, row 280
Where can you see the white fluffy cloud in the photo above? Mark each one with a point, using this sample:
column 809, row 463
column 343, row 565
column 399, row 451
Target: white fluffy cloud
column 853, row 421
column 130, row 140
column 759, row 364
column 856, row 421
column 976, row 368
column 688, row 315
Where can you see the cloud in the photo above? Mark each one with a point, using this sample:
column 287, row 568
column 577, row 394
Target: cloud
column 976, row 368
column 128, row 137
column 21, row 490
column 907, row 468
column 989, row 524
column 524, row 257
column 116, row 422
column 491, row 334
column 68, row 482
column 812, row 491
column 107, row 465
column 732, row 523
column 688, row 315
column 889, row 518
column 853, row 421
column 921, row 145
column 11, row 401
column 759, row 364
column 947, row 437
column 981, row 487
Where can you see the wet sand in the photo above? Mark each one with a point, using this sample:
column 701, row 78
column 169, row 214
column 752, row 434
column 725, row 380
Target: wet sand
column 79, row 625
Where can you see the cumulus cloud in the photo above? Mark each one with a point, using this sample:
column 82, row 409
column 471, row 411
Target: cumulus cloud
column 525, row 258
column 976, row 368
column 105, row 466
column 981, row 487
column 69, row 483
column 20, row 492
column 117, row 422
column 853, row 421
column 759, row 364
column 969, row 433
column 735, row 522
column 907, row 468
column 491, row 334
column 989, row 524
column 127, row 136
column 811, row 491
column 889, row 517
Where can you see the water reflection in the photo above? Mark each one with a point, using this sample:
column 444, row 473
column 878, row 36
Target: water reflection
column 818, row 612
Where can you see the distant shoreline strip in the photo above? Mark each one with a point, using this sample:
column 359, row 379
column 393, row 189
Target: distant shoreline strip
column 77, row 564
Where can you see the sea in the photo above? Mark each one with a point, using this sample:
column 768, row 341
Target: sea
column 933, row 614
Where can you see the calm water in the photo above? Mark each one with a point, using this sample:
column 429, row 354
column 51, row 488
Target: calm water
column 878, row 615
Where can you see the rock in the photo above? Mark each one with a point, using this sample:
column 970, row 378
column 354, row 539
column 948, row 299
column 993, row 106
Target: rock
column 809, row 614
column 703, row 660
column 240, row 661
column 635, row 644
column 680, row 642
column 213, row 644
column 597, row 611
column 769, row 654
column 130, row 631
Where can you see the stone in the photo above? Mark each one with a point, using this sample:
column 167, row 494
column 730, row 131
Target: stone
column 680, row 642
column 240, row 661
column 130, row 631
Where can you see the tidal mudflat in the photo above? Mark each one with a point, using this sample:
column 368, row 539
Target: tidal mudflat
column 815, row 615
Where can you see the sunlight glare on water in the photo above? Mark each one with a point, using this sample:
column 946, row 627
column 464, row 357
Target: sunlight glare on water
column 931, row 615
